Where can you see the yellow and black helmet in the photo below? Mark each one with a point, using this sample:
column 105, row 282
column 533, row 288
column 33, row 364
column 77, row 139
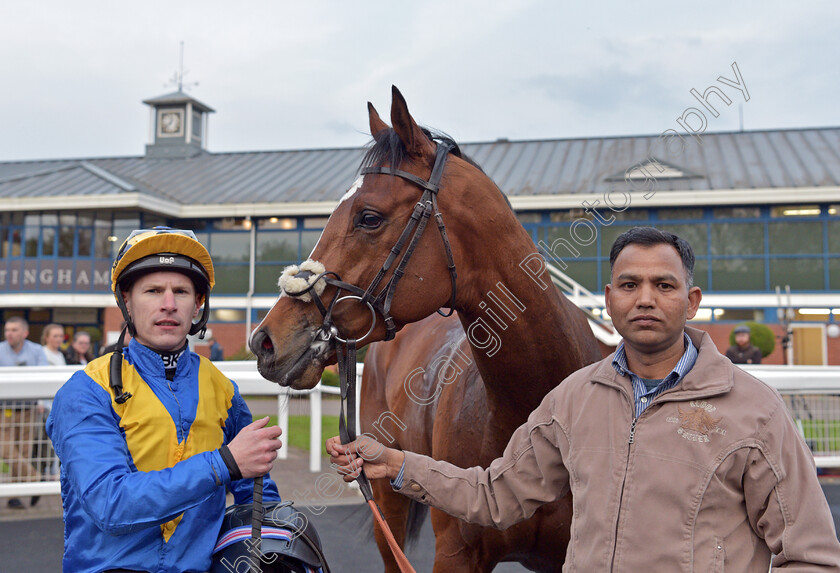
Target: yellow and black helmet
column 163, row 249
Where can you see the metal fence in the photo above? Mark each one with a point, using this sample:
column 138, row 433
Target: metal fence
column 28, row 465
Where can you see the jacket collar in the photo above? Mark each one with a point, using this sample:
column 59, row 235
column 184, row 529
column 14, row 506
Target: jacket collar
column 149, row 362
column 712, row 373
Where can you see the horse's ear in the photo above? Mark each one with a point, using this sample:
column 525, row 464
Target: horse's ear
column 376, row 123
column 415, row 141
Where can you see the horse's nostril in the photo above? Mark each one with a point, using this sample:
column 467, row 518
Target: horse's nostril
column 261, row 343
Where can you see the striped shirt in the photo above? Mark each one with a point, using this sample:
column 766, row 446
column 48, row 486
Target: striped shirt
column 642, row 397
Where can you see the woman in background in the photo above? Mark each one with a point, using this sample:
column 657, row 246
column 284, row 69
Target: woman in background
column 79, row 351
column 51, row 339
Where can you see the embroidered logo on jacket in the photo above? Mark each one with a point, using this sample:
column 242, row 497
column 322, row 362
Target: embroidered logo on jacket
column 697, row 423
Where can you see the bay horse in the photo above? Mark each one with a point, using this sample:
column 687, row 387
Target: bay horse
column 453, row 388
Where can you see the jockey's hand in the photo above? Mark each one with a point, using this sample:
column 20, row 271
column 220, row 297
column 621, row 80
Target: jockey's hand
column 255, row 448
column 377, row 460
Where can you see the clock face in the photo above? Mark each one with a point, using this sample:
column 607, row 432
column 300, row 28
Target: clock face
column 170, row 122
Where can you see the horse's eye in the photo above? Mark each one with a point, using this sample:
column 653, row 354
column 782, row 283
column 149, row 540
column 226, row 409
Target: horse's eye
column 369, row 220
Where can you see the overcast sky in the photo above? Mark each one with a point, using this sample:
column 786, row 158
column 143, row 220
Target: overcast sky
column 290, row 75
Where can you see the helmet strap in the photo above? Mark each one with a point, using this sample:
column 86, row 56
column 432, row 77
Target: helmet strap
column 129, row 324
column 200, row 327
column 120, row 396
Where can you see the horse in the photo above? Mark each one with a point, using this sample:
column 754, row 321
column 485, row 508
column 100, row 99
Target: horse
column 455, row 387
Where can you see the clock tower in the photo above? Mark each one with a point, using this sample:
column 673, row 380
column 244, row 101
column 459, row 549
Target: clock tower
column 177, row 125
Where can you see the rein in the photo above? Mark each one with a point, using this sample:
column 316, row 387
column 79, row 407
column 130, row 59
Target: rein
column 380, row 303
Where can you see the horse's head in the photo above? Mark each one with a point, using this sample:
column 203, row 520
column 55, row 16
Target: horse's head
column 372, row 220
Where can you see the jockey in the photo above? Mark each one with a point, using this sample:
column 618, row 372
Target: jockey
column 151, row 436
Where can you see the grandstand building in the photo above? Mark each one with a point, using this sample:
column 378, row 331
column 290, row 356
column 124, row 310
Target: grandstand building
column 761, row 208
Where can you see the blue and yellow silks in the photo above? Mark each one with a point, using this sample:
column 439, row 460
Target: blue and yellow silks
column 142, row 482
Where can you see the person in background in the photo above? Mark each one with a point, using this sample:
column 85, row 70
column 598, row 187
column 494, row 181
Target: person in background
column 742, row 352
column 19, row 416
column 216, row 350
column 52, row 338
column 79, row 351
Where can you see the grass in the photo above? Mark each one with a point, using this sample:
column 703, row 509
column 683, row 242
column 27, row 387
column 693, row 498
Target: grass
column 298, row 435
column 824, row 434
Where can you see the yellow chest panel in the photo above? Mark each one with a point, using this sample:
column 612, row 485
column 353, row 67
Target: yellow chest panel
column 150, row 432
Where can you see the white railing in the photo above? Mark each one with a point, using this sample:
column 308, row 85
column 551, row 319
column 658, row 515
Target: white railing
column 811, row 392
column 42, row 382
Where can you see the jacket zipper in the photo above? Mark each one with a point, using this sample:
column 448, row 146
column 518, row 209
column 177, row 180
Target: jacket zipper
column 630, row 442
column 178, row 430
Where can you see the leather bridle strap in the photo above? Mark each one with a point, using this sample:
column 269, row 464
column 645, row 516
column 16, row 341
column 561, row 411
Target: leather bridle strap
column 425, row 208
column 257, row 513
column 347, row 432
column 416, row 225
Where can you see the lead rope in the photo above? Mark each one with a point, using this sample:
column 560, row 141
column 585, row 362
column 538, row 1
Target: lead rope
column 257, row 512
column 347, row 431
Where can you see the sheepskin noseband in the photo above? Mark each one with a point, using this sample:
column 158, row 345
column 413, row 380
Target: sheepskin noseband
column 293, row 285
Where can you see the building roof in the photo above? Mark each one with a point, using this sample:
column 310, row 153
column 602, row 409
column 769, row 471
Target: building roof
column 791, row 165
column 178, row 97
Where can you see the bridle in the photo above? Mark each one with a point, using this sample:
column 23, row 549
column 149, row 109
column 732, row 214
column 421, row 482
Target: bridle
column 345, row 349
column 380, row 302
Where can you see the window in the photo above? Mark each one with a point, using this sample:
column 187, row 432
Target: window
column 795, row 237
column 231, row 279
column 230, row 247
column 308, row 240
column 737, row 239
column 265, row 278
column 737, row 213
column 795, row 211
column 66, row 237
column 695, row 234
column 272, row 247
column 585, row 273
column 737, row 274
column 285, row 223
column 48, row 238
column 529, row 218
column 799, row 273
column 581, row 238
column 315, row 222
column 670, row 214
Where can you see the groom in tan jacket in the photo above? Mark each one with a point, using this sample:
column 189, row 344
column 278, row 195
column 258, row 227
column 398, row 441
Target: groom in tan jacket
column 677, row 460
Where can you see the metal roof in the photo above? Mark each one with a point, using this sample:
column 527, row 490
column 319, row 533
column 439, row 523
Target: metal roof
column 750, row 162
column 178, row 98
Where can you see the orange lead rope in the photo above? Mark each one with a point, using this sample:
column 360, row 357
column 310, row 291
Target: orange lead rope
column 402, row 560
column 347, row 431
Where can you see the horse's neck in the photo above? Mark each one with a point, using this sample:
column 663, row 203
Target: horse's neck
column 525, row 338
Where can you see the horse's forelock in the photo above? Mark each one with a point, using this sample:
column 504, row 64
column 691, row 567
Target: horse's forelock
column 388, row 148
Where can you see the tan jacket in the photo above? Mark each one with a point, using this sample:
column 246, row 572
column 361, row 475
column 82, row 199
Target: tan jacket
column 713, row 475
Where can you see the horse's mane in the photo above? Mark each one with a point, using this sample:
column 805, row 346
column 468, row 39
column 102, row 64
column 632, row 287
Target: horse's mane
column 387, row 147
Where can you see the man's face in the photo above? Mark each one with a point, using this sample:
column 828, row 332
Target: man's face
column 649, row 300
column 162, row 306
column 15, row 334
column 742, row 339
